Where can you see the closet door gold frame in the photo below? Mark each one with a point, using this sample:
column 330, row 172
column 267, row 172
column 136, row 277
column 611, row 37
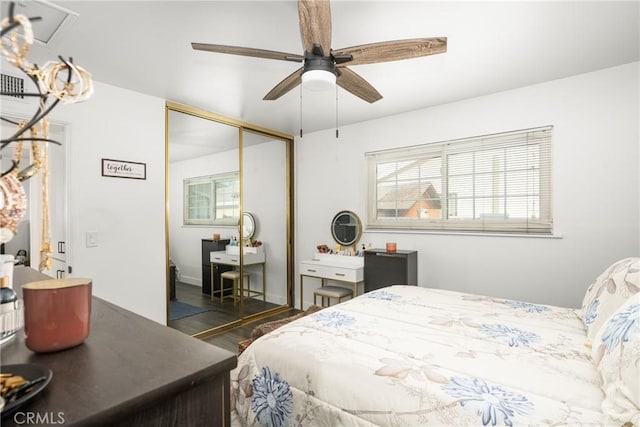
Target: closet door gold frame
column 242, row 126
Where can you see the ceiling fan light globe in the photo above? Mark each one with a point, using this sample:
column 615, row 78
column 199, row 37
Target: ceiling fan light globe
column 318, row 80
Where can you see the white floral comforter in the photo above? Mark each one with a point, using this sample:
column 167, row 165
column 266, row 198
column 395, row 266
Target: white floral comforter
column 411, row 356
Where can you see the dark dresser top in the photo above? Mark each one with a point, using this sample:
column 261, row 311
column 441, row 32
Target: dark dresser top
column 127, row 362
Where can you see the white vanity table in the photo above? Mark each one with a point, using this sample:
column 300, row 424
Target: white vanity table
column 231, row 256
column 339, row 268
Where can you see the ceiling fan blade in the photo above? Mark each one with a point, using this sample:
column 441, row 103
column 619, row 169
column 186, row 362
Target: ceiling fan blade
column 247, row 51
column 315, row 24
column 393, row 50
column 291, row 81
column 352, row 82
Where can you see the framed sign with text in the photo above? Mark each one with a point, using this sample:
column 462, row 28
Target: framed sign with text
column 123, row 169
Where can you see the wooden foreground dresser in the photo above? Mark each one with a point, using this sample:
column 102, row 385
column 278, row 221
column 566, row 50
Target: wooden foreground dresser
column 130, row 371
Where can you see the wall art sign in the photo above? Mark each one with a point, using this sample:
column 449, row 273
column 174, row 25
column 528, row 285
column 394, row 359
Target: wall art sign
column 123, row 169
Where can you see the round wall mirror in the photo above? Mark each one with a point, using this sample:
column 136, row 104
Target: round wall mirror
column 248, row 226
column 346, row 228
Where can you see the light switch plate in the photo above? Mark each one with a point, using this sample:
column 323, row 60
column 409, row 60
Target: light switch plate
column 92, row 239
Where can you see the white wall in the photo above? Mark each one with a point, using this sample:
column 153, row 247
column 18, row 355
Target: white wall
column 128, row 265
column 596, row 187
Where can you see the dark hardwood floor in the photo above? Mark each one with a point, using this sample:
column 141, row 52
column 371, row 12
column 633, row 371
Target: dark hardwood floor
column 222, row 313
column 229, row 339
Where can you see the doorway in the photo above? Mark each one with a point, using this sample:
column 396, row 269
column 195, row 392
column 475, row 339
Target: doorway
column 27, row 244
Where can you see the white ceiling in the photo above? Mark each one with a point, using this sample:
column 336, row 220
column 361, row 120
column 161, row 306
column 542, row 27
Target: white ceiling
column 492, row 46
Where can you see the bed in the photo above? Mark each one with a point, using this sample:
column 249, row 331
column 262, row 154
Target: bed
column 411, row 356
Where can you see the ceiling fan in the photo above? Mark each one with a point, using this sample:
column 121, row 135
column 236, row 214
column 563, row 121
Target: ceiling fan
column 322, row 62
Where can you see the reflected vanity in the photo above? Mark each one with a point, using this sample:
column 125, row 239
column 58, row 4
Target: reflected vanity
column 252, row 256
column 231, row 180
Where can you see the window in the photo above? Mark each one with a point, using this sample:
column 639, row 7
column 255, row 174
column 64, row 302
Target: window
column 493, row 183
column 212, row 200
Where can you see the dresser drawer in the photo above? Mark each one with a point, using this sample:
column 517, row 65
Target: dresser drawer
column 225, row 258
column 332, row 272
column 221, row 257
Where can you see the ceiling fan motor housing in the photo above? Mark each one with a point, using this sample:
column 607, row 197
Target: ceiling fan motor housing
column 320, row 63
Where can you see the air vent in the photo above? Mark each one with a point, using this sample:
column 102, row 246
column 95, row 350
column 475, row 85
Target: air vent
column 53, row 20
column 12, row 86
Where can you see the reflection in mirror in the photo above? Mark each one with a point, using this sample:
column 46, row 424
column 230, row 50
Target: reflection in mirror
column 265, row 195
column 223, row 178
column 346, row 228
column 248, row 226
column 203, row 201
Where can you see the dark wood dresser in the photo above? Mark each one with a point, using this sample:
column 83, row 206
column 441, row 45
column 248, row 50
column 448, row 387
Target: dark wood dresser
column 208, row 246
column 131, row 371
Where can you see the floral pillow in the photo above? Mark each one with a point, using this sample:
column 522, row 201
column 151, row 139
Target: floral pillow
column 608, row 292
column 616, row 351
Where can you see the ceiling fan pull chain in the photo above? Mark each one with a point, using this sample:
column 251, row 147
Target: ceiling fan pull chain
column 336, row 111
column 300, row 111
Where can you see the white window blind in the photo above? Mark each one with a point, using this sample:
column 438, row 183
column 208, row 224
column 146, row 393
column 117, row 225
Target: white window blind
column 212, row 200
column 492, row 183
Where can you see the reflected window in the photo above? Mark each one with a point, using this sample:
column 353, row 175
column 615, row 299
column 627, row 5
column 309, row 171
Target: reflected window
column 212, row 200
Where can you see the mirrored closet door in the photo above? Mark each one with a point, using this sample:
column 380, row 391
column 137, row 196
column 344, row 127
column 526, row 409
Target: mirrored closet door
column 266, row 208
column 228, row 221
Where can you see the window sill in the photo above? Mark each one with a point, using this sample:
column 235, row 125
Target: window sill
column 461, row 233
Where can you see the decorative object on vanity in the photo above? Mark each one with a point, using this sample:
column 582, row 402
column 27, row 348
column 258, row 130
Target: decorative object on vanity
column 323, row 249
column 57, row 313
column 382, row 268
column 55, row 82
column 324, row 66
column 346, row 228
column 391, row 247
column 124, row 169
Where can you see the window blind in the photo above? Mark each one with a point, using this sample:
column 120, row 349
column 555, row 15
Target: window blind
column 491, row 183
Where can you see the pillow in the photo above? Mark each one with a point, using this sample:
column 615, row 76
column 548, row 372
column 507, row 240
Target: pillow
column 616, row 351
column 608, row 292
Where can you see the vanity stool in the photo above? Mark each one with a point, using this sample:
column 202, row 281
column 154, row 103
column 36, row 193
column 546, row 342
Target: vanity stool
column 329, row 292
column 234, row 276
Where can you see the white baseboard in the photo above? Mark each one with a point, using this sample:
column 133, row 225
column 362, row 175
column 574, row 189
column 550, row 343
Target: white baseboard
column 195, row 281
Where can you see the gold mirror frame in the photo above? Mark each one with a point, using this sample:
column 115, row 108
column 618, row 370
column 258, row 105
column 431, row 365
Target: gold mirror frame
column 342, row 231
